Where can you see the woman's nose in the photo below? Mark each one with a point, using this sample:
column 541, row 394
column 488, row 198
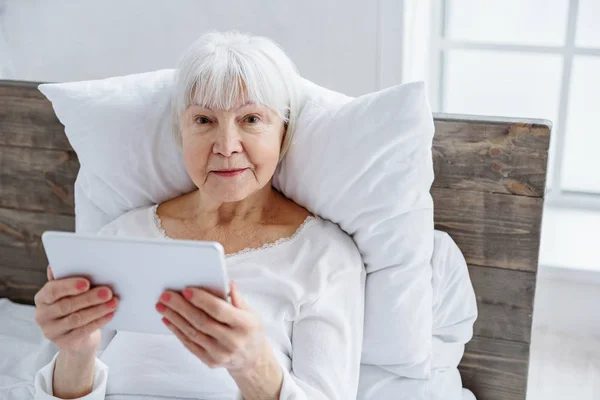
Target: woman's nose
column 228, row 141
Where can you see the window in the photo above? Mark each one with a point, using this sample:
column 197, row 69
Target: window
column 515, row 58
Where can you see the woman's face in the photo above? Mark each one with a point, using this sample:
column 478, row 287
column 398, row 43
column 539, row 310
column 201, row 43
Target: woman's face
column 231, row 154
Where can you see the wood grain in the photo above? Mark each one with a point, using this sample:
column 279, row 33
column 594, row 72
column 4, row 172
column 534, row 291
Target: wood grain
column 504, row 303
column 514, row 289
column 37, row 179
column 27, row 118
column 493, row 230
column 22, row 253
column 502, row 322
column 23, row 229
column 26, row 259
column 495, row 369
column 501, row 157
column 21, row 285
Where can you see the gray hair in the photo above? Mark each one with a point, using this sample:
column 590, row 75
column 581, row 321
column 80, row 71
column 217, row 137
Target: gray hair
column 215, row 68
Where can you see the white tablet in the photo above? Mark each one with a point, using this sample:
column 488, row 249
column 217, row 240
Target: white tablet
column 138, row 270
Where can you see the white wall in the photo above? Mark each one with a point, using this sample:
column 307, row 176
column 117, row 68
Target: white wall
column 353, row 46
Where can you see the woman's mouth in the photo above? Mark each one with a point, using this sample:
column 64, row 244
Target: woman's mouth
column 228, row 173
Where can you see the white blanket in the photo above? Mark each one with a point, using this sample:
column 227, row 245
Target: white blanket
column 454, row 313
column 24, row 350
column 378, row 384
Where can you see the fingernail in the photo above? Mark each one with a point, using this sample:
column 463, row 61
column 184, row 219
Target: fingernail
column 103, row 294
column 166, row 321
column 161, row 307
column 187, row 293
column 112, row 303
column 166, row 296
column 81, row 285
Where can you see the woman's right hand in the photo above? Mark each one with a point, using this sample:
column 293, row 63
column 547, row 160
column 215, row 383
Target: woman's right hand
column 71, row 313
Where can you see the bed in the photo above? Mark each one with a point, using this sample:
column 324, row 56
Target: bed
column 488, row 194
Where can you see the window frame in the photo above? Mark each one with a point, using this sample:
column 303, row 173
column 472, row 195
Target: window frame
column 440, row 44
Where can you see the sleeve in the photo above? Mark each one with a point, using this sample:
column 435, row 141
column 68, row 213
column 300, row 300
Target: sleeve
column 44, row 378
column 43, row 382
column 327, row 342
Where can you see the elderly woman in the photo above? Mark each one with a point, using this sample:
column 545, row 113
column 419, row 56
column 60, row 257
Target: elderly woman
column 293, row 328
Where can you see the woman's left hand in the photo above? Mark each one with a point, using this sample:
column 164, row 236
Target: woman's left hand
column 217, row 332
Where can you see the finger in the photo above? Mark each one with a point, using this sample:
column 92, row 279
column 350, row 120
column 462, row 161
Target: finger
column 196, row 317
column 215, row 332
column 212, row 305
column 196, row 336
column 194, row 348
column 59, row 288
column 78, row 319
column 76, row 335
column 49, row 273
column 236, row 298
column 69, row 305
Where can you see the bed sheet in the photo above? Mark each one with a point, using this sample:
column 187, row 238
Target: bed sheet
column 23, row 350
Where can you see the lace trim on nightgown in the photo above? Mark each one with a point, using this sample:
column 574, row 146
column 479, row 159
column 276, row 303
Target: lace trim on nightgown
column 266, row 246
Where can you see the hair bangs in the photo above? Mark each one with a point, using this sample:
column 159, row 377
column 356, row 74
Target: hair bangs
column 225, row 79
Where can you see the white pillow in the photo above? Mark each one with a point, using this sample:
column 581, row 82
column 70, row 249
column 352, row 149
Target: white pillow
column 454, row 303
column 120, row 129
column 363, row 163
column 454, row 313
column 366, row 165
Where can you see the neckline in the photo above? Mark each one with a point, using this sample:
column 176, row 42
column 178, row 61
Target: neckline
column 157, row 223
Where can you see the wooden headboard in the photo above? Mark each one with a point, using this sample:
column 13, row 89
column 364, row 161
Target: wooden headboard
column 488, row 193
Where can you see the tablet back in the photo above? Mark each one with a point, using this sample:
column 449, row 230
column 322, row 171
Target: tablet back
column 138, row 270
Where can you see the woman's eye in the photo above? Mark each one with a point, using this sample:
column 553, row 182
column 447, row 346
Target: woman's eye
column 201, row 120
column 252, row 119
